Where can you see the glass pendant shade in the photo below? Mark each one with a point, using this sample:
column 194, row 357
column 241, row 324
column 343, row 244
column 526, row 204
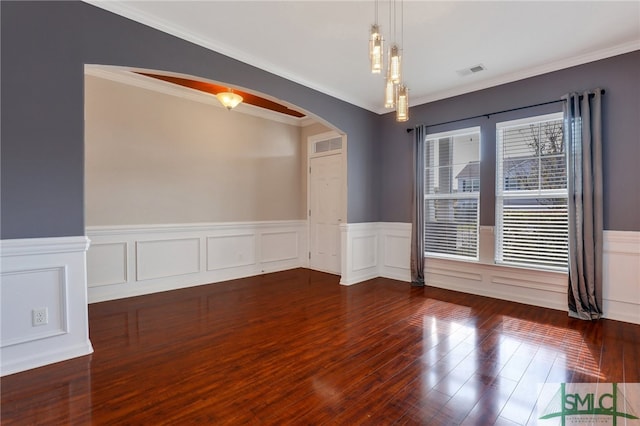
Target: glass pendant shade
column 402, row 104
column 229, row 100
column 389, row 93
column 395, row 64
column 376, row 49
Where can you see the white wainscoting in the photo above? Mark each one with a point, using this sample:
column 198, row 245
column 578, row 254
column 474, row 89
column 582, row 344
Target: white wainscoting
column 538, row 288
column 43, row 273
column 621, row 280
column 395, row 250
column 126, row 261
column 371, row 250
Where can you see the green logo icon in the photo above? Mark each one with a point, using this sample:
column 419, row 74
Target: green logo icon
column 582, row 402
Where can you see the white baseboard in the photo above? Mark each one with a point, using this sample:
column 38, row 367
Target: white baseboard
column 47, row 273
column 126, row 261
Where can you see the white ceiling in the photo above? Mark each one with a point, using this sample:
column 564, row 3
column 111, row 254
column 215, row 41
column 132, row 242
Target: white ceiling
column 324, row 44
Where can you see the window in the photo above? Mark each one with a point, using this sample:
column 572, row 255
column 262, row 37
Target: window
column 531, row 193
column 452, row 193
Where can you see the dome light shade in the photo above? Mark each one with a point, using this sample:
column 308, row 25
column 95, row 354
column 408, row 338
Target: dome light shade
column 229, row 99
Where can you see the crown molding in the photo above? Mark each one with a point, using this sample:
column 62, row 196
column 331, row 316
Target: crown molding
column 128, row 76
column 120, row 8
column 528, row 73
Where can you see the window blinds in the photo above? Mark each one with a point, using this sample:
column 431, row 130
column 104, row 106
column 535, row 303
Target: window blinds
column 452, row 194
column 531, row 193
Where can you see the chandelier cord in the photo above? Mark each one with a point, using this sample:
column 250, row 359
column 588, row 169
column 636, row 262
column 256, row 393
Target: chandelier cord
column 376, row 12
column 395, row 18
column 401, row 24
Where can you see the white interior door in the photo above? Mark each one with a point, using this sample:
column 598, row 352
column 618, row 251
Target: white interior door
column 325, row 212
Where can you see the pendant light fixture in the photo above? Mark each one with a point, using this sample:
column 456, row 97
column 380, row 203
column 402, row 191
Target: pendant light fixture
column 376, row 49
column 395, row 64
column 402, row 92
column 389, row 93
column 390, row 87
column 396, row 93
column 229, row 99
column 402, row 104
column 376, row 45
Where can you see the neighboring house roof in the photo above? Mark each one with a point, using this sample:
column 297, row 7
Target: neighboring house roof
column 512, row 167
column 470, row 171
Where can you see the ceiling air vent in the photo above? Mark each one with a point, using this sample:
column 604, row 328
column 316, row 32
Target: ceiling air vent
column 471, row 70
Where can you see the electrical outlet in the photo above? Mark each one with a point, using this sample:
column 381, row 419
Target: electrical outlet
column 39, row 316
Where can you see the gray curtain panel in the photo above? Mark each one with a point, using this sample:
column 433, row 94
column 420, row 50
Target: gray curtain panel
column 583, row 133
column 417, row 210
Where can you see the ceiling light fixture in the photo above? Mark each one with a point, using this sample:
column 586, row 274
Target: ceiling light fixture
column 229, row 99
column 396, row 93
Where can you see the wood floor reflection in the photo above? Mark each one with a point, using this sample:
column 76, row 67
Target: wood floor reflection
column 295, row 347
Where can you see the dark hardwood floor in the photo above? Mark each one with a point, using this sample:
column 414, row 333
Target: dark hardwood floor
column 295, row 347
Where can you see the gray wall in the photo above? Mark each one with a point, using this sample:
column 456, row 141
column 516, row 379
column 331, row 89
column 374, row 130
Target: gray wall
column 619, row 76
column 44, row 48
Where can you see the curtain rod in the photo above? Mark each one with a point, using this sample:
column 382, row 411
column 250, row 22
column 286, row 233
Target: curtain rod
column 409, row 130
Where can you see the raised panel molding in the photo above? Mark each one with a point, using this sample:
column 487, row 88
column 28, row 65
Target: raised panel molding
column 107, row 264
column 395, row 250
column 43, row 273
column 538, row 288
column 279, row 246
column 452, row 271
column 173, row 256
column 167, row 258
column 358, row 242
column 621, row 276
column 230, row 251
column 379, row 249
column 364, row 252
column 47, row 288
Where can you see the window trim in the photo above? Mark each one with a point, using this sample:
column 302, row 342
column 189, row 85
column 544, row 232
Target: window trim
column 475, row 195
column 521, row 194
